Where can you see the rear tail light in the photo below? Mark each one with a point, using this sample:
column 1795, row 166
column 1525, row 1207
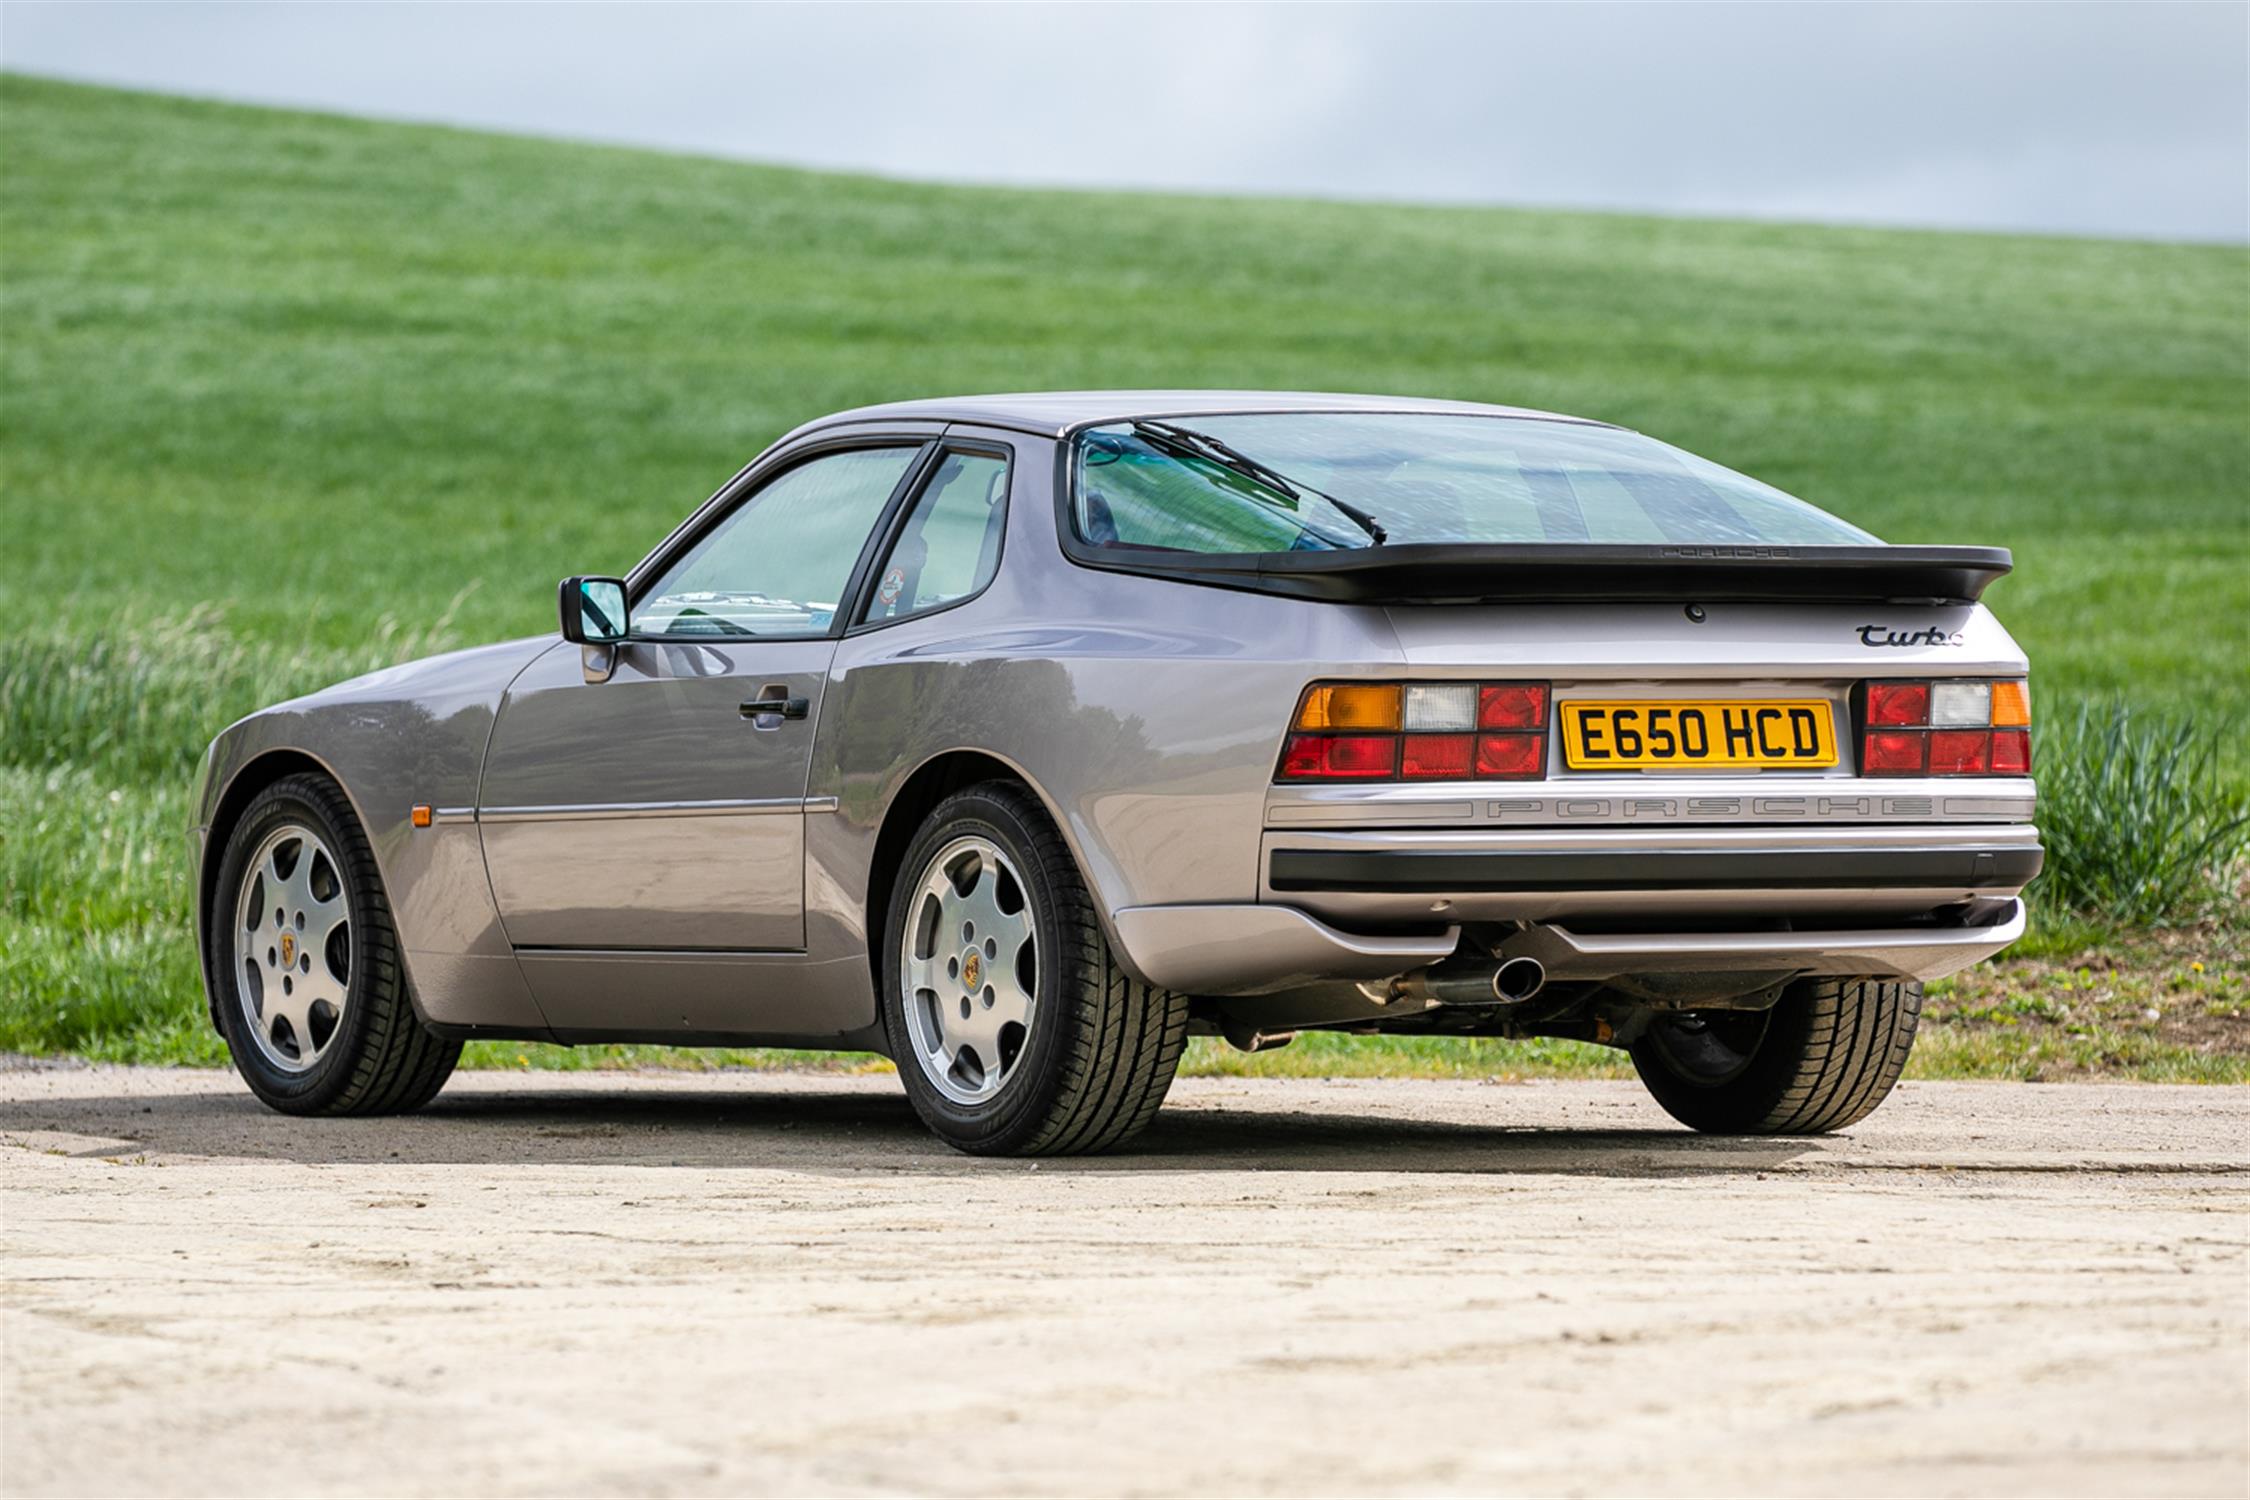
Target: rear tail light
column 1898, row 703
column 1421, row 731
column 1512, row 705
column 1446, row 757
column 1340, row 757
column 1957, row 727
column 1894, row 752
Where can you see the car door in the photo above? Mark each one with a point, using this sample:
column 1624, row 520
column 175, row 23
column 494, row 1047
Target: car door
column 660, row 805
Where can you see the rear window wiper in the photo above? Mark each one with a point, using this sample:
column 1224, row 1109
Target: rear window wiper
column 1193, row 444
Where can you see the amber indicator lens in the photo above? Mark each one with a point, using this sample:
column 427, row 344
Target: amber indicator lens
column 1350, row 706
column 2011, row 705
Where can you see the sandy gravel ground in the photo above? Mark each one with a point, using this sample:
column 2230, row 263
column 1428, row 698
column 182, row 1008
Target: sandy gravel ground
column 693, row 1285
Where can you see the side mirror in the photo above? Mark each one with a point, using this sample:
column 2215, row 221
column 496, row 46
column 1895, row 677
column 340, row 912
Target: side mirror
column 593, row 611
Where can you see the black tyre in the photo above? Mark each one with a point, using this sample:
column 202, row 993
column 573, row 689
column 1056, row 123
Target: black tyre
column 1013, row 1026
column 310, row 993
column 1821, row 1059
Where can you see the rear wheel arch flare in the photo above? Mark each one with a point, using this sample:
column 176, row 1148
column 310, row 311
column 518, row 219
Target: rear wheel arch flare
column 932, row 782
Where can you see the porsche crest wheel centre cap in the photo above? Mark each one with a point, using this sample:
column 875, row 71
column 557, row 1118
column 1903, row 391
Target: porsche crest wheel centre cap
column 969, row 970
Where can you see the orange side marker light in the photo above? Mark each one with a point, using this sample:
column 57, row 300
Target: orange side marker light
column 421, row 815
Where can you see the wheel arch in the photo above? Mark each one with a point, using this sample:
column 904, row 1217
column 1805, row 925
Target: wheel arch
column 925, row 787
column 253, row 777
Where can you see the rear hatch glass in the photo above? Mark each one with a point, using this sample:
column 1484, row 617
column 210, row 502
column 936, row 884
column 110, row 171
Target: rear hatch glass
column 1332, row 481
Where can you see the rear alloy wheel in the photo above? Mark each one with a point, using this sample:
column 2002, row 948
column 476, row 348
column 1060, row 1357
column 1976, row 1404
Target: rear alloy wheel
column 1822, row 1058
column 311, row 996
column 1014, row 1028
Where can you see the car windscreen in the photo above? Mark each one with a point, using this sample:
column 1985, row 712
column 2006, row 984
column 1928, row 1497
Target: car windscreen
column 1316, row 481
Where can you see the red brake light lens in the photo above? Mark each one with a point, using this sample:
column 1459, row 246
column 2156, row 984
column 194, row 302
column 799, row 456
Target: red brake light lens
column 1340, row 757
column 1902, row 703
column 1960, row 752
column 1894, row 754
column 1437, row 757
column 2011, row 752
column 1512, row 705
column 1513, row 756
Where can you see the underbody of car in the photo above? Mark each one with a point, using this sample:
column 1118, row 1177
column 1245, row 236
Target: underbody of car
column 1642, row 754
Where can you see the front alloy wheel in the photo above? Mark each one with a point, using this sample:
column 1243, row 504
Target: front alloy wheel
column 306, row 978
column 295, row 945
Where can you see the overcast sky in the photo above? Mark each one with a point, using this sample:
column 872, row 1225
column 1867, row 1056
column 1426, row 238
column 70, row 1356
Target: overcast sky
column 2114, row 120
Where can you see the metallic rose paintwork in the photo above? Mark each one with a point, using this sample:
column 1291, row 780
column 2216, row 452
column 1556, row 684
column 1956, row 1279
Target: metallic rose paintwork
column 1146, row 714
column 406, row 735
column 718, row 864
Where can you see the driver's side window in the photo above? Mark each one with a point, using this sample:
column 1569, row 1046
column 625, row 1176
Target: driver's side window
column 779, row 564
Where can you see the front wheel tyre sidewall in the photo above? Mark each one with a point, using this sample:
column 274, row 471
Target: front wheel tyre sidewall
column 375, row 1000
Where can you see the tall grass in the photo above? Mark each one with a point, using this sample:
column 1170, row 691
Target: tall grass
column 100, row 737
column 2142, row 826
column 141, row 700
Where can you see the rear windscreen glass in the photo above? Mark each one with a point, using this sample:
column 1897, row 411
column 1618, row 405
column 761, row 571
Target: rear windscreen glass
column 1317, row 481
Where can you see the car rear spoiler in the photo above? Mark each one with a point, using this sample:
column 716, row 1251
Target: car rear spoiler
column 1540, row 573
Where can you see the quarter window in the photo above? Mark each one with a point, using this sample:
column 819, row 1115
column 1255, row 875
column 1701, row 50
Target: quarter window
column 779, row 564
column 949, row 547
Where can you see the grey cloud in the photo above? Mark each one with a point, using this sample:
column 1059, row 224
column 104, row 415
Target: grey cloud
column 2106, row 119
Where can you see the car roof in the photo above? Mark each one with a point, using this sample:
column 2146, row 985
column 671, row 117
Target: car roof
column 1056, row 413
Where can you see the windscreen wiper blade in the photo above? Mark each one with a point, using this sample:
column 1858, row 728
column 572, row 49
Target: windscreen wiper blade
column 1194, row 444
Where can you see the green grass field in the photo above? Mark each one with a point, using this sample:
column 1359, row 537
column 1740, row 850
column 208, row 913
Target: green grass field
column 283, row 396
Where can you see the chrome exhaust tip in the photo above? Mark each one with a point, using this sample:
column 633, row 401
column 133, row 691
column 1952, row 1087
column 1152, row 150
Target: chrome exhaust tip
column 1519, row 978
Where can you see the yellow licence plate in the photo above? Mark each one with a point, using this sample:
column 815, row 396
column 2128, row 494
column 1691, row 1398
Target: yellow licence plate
column 1643, row 734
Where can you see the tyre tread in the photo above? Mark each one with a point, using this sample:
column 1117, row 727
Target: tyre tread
column 1828, row 1073
column 1126, row 1037
column 398, row 1064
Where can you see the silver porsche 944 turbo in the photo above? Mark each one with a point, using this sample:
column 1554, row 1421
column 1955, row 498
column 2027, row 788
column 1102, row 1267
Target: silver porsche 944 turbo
column 1021, row 738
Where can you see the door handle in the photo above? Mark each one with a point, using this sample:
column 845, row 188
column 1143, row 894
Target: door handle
column 774, row 700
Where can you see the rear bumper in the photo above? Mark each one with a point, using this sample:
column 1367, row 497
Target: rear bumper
column 1633, row 868
column 1358, row 905
column 1259, row 950
column 1863, row 876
